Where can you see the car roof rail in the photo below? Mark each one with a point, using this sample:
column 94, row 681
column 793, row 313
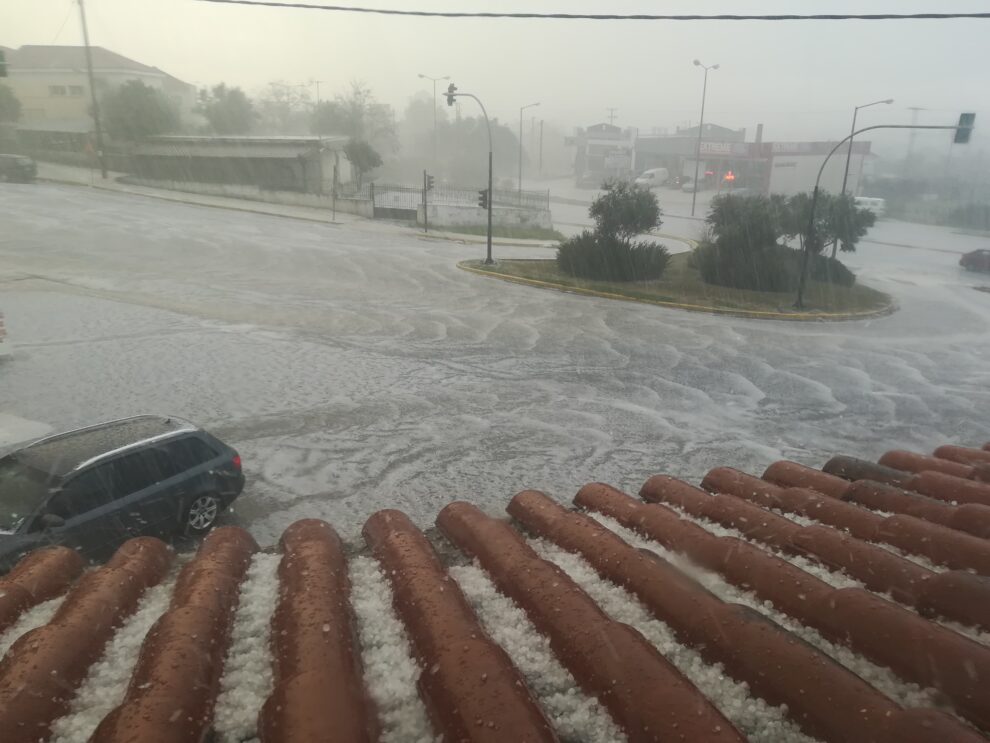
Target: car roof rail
column 167, row 418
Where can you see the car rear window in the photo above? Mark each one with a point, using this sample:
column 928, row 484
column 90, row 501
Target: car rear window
column 22, row 490
column 186, row 453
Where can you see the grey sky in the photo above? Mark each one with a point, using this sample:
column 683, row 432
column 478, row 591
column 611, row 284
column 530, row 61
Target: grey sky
column 801, row 79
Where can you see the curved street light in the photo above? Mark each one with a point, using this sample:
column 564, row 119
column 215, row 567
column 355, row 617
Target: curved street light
column 434, row 79
column 811, row 238
column 701, row 128
column 452, row 94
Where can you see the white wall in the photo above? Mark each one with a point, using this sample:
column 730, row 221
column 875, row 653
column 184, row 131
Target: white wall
column 474, row 216
column 791, row 174
column 362, row 207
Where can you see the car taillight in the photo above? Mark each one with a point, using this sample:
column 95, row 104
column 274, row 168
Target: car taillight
column 237, row 461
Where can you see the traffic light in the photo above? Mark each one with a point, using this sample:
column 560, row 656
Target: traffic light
column 483, row 198
column 429, row 182
column 451, row 89
column 964, row 128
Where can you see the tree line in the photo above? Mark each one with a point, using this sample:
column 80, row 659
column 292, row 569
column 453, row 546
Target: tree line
column 401, row 146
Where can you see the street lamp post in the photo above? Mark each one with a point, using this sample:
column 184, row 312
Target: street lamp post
column 701, row 128
column 521, row 109
column 451, row 95
column 852, row 130
column 434, row 80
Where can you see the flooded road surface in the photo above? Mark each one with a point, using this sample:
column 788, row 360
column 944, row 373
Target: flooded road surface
column 357, row 368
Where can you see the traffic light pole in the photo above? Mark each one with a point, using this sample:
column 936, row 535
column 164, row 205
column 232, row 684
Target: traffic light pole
column 451, row 94
column 810, row 237
column 488, row 258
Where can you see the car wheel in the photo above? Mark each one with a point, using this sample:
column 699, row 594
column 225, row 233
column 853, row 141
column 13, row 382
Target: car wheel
column 202, row 514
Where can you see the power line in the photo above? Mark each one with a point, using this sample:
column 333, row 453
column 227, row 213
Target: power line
column 612, row 16
column 68, row 12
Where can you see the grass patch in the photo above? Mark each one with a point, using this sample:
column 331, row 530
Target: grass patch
column 516, row 233
column 683, row 285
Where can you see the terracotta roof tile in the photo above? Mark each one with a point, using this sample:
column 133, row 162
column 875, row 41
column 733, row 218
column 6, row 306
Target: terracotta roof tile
column 45, row 56
column 849, row 603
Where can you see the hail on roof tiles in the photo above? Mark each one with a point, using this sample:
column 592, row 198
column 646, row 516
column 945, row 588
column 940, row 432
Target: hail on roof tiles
column 916, row 559
column 575, row 715
column 883, row 679
column 107, row 680
column 759, row 721
column 390, row 672
column 808, row 521
column 33, row 618
column 835, row 578
column 247, row 671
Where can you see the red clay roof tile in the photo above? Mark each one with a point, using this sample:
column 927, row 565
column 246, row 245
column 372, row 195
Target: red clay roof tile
column 831, row 596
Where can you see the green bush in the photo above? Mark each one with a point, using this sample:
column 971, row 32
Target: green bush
column 625, row 210
column 831, row 270
column 744, row 224
column 609, row 252
column 764, row 269
column 775, row 268
column 610, row 258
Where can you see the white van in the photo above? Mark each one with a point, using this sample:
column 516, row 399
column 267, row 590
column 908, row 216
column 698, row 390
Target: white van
column 876, row 205
column 652, row 178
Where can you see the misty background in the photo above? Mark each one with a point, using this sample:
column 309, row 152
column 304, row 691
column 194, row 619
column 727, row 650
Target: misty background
column 800, row 79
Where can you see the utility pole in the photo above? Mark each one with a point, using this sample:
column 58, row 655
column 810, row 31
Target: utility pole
column 521, row 109
column 914, row 121
column 97, row 130
column 434, row 79
column 317, row 84
column 541, row 148
column 611, row 115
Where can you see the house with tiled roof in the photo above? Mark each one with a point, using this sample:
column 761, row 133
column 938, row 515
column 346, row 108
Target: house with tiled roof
column 846, row 604
column 53, row 87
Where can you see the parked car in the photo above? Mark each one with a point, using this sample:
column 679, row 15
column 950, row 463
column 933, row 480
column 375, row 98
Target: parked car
column 590, row 180
column 652, row 178
column 17, row 169
column 874, row 204
column 93, row 488
column 741, row 192
column 688, row 184
column 976, row 260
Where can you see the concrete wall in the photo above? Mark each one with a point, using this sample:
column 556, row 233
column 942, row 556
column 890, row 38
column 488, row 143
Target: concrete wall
column 361, row 207
column 474, row 216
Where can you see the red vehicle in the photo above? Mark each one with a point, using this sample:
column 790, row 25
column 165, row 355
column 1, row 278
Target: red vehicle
column 977, row 260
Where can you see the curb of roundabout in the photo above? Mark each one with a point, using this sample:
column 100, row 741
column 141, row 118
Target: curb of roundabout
column 713, row 310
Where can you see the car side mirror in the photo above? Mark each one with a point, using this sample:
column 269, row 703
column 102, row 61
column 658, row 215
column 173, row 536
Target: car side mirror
column 51, row 521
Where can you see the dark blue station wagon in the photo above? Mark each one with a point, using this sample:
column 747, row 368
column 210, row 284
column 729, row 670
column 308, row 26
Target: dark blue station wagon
column 93, row 488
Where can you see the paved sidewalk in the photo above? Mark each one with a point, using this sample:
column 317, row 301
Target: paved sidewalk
column 90, row 177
